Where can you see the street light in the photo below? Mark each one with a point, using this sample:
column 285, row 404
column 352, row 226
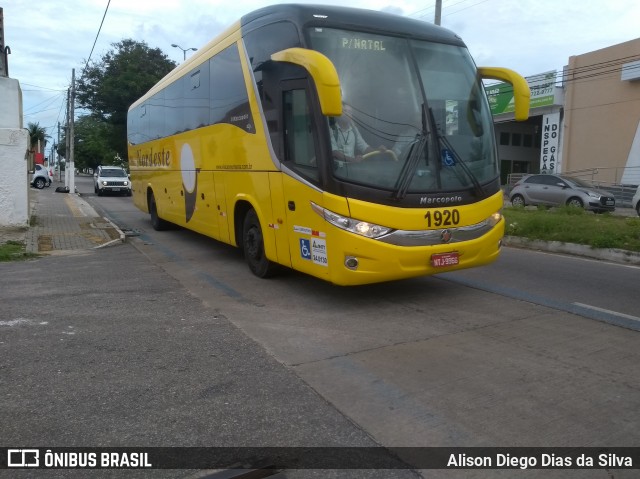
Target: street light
column 184, row 50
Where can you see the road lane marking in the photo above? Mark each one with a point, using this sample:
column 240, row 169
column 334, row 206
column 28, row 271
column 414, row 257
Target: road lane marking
column 608, row 311
column 589, row 312
column 568, row 256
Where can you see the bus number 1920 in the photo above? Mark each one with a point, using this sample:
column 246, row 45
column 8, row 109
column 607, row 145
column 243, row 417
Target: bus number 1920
column 442, row 218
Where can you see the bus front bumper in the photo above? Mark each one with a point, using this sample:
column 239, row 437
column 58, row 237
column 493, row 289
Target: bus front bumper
column 369, row 261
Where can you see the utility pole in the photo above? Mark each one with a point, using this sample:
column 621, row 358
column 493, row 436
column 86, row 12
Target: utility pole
column 72, row 168
column 58, row 156
column 4, row 50
column 66, row 143
column 438, row 16
column 68, row 132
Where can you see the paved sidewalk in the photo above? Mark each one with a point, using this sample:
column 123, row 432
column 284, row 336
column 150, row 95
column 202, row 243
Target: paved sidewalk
column 61, row 223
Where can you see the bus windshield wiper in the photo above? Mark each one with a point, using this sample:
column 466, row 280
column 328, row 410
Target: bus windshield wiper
column 413, row 157
column 410, row 165
column 449, row 157
column 456, row 159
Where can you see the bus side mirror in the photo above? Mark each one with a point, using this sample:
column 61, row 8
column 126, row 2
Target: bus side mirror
column 521, row 91
column 324, row 75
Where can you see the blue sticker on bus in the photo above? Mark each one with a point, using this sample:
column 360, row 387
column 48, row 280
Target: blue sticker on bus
column 447, row 158
column 305, row 248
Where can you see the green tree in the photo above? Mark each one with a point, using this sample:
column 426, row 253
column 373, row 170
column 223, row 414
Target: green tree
column 37, row 133
column 92, row 146
column 109, row 86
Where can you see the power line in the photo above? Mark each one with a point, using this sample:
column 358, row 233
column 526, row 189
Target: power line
column 47, row 100
column 96, row 40
column 42, row 88
column 39, row 111
column 427, row 10
column 592, row 66
column 465, row 8
column 586, row 73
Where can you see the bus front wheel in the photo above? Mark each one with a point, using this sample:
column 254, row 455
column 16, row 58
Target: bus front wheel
column 253, row 247
column 157, row 223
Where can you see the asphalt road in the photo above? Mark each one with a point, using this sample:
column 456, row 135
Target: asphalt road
column 562, row 281
column 489, row 357
column 595, row 289
column 462, row 358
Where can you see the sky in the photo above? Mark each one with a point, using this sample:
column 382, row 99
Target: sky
column 48, row 39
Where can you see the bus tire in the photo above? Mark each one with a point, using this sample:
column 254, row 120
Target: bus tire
column 253, row 247
column 157, row 223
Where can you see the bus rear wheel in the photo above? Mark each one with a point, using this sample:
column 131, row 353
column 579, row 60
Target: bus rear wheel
column 253, row 247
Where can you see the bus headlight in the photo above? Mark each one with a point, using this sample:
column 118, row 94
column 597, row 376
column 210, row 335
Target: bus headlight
column 494, row 219
column 363, row 228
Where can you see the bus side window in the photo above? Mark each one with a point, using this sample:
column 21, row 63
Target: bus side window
column 300, row 153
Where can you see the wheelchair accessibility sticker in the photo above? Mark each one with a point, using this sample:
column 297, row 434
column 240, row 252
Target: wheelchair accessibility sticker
column 305, row 248
column 315, row 250
column 447, row 158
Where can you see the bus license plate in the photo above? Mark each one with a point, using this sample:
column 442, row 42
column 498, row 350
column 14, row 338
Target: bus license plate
column 441, row 260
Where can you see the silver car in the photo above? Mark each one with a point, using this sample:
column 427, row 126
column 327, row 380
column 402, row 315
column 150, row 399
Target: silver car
column 635, row 202
column 556, row 190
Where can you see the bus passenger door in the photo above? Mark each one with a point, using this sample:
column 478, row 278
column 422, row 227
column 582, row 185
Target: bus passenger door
column 301, row 179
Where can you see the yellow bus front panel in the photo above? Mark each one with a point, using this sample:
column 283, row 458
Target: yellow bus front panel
column 346, row 258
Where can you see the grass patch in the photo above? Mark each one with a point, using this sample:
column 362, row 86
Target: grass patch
column 14, row 251
column 574, row 225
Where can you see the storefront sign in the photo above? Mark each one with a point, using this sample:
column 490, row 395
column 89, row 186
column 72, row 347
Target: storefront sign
column 549, row 154
column 542, row 87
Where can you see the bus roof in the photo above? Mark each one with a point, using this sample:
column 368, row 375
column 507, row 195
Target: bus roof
column 310, row 16
column 350, row 19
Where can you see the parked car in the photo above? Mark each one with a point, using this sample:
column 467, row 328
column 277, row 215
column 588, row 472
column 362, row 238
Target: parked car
column 42, row 177
column 635, row 202
column 111, row 179
column 557, row 190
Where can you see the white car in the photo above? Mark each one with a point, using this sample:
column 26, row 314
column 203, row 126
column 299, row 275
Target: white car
column 111, row 179
column 41, row 177
column 635, row 202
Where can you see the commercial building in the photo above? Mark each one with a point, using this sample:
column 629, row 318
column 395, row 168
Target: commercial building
column 531, row 146
column 584, row 120
column 602, row 113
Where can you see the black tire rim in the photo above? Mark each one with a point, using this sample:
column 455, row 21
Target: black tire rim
column 253, row 244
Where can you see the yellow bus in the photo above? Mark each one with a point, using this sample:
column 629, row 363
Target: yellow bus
column 353, row 145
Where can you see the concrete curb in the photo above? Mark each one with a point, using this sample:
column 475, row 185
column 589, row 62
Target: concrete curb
column 115, row 241
column 91, row 212
column 604, row 254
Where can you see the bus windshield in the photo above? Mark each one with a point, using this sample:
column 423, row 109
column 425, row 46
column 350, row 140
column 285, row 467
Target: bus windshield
column 421, row 100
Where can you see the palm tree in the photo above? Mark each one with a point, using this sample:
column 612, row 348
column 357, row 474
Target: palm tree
column 37, row 133
column 38, row 140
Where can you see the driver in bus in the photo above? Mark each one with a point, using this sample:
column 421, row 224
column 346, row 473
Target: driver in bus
column 347, row 143
column 405, row 109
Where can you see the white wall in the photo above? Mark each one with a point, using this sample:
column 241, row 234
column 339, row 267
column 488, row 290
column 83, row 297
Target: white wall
column 11, row 101
column 14, row 141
